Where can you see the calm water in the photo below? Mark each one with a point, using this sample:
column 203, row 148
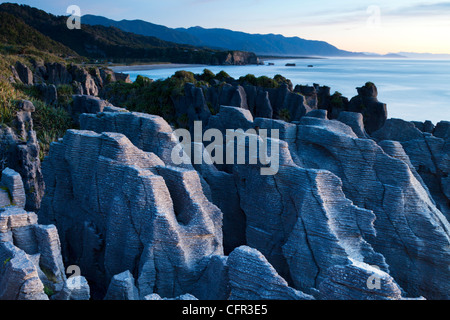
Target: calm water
column 412, row 89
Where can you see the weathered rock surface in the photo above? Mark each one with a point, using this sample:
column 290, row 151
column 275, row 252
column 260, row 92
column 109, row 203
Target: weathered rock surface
column 214, row 283
column 429, row 154
column 31, row 258
column 355, row 121
column 122, row 287
column 86, row 104
column 24, row 72
column 360, row 282
column 11, row 184
column 287, row 232
column 366, row 102
column 410, row 230
column 184, row 297
column 75, row 288
column 342, row 215
column 48, row 93
column 253, row 278
column 20, row 152
column 57, row 73
column 151, row 219
column 279, row 233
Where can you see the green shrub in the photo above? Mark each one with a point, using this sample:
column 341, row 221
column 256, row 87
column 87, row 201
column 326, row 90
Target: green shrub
column 142, row 81
column 267, row 82
column 8, row 102
column 336, row 100
column 185, row 76
column 50, row 124
column 207, row 75
column 65, row 93
column 48, row 291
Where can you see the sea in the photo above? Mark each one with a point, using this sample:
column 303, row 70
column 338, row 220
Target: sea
column 414, row 90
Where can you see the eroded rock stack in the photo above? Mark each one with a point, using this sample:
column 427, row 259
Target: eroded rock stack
column 429, row 153
column 345, row 217
column 289, row 104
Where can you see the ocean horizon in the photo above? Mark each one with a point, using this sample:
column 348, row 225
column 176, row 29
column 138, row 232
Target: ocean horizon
column 414, row 90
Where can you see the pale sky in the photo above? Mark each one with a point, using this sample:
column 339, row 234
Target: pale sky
column 365, row 26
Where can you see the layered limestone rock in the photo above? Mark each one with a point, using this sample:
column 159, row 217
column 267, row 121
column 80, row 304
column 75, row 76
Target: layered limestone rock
column 366, row 102
column 122, row 287
column 30, row 254
column 253, row 278
column 12, row 192
column 377, row 212
column 361, row 282
column 86, row 104
column 339, row 212
column 119, row 208
column 24, row 73
column 429, row 154
column 147, row 132
column 307, row 225
column 19, row 150
column 411, row 233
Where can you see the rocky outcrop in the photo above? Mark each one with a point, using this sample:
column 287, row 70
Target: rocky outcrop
column 11, row 189
column 214, row 283
column 56, row 73
column 75, row 288
column 153, row 219
column 122, row 287
column 147, row 227
column 30, row 253
column 20, row 152
column 49, row 93
column 191, row 107
column 121, row 77
column 429, row 154
column 85, row 81
column 358, row 283
column 310, row 94
column 364, row 113
column 253, row 278
column 240, row 58
column 199, row 103
column 366, row 102
column 280, row 231
column 355, row 121
column 286, row 232
column 24, row 73
column 407, row 218
column 86, row 104
column 89, row 85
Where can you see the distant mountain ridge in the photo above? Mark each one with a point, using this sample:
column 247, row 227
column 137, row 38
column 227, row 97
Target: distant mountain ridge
column 415, row 55
column 261, row 44
column 22, row 25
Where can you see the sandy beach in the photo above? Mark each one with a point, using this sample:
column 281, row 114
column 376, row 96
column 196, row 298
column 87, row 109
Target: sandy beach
column 153, row 67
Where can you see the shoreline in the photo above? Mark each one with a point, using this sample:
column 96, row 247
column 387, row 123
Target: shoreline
column 154, row 67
